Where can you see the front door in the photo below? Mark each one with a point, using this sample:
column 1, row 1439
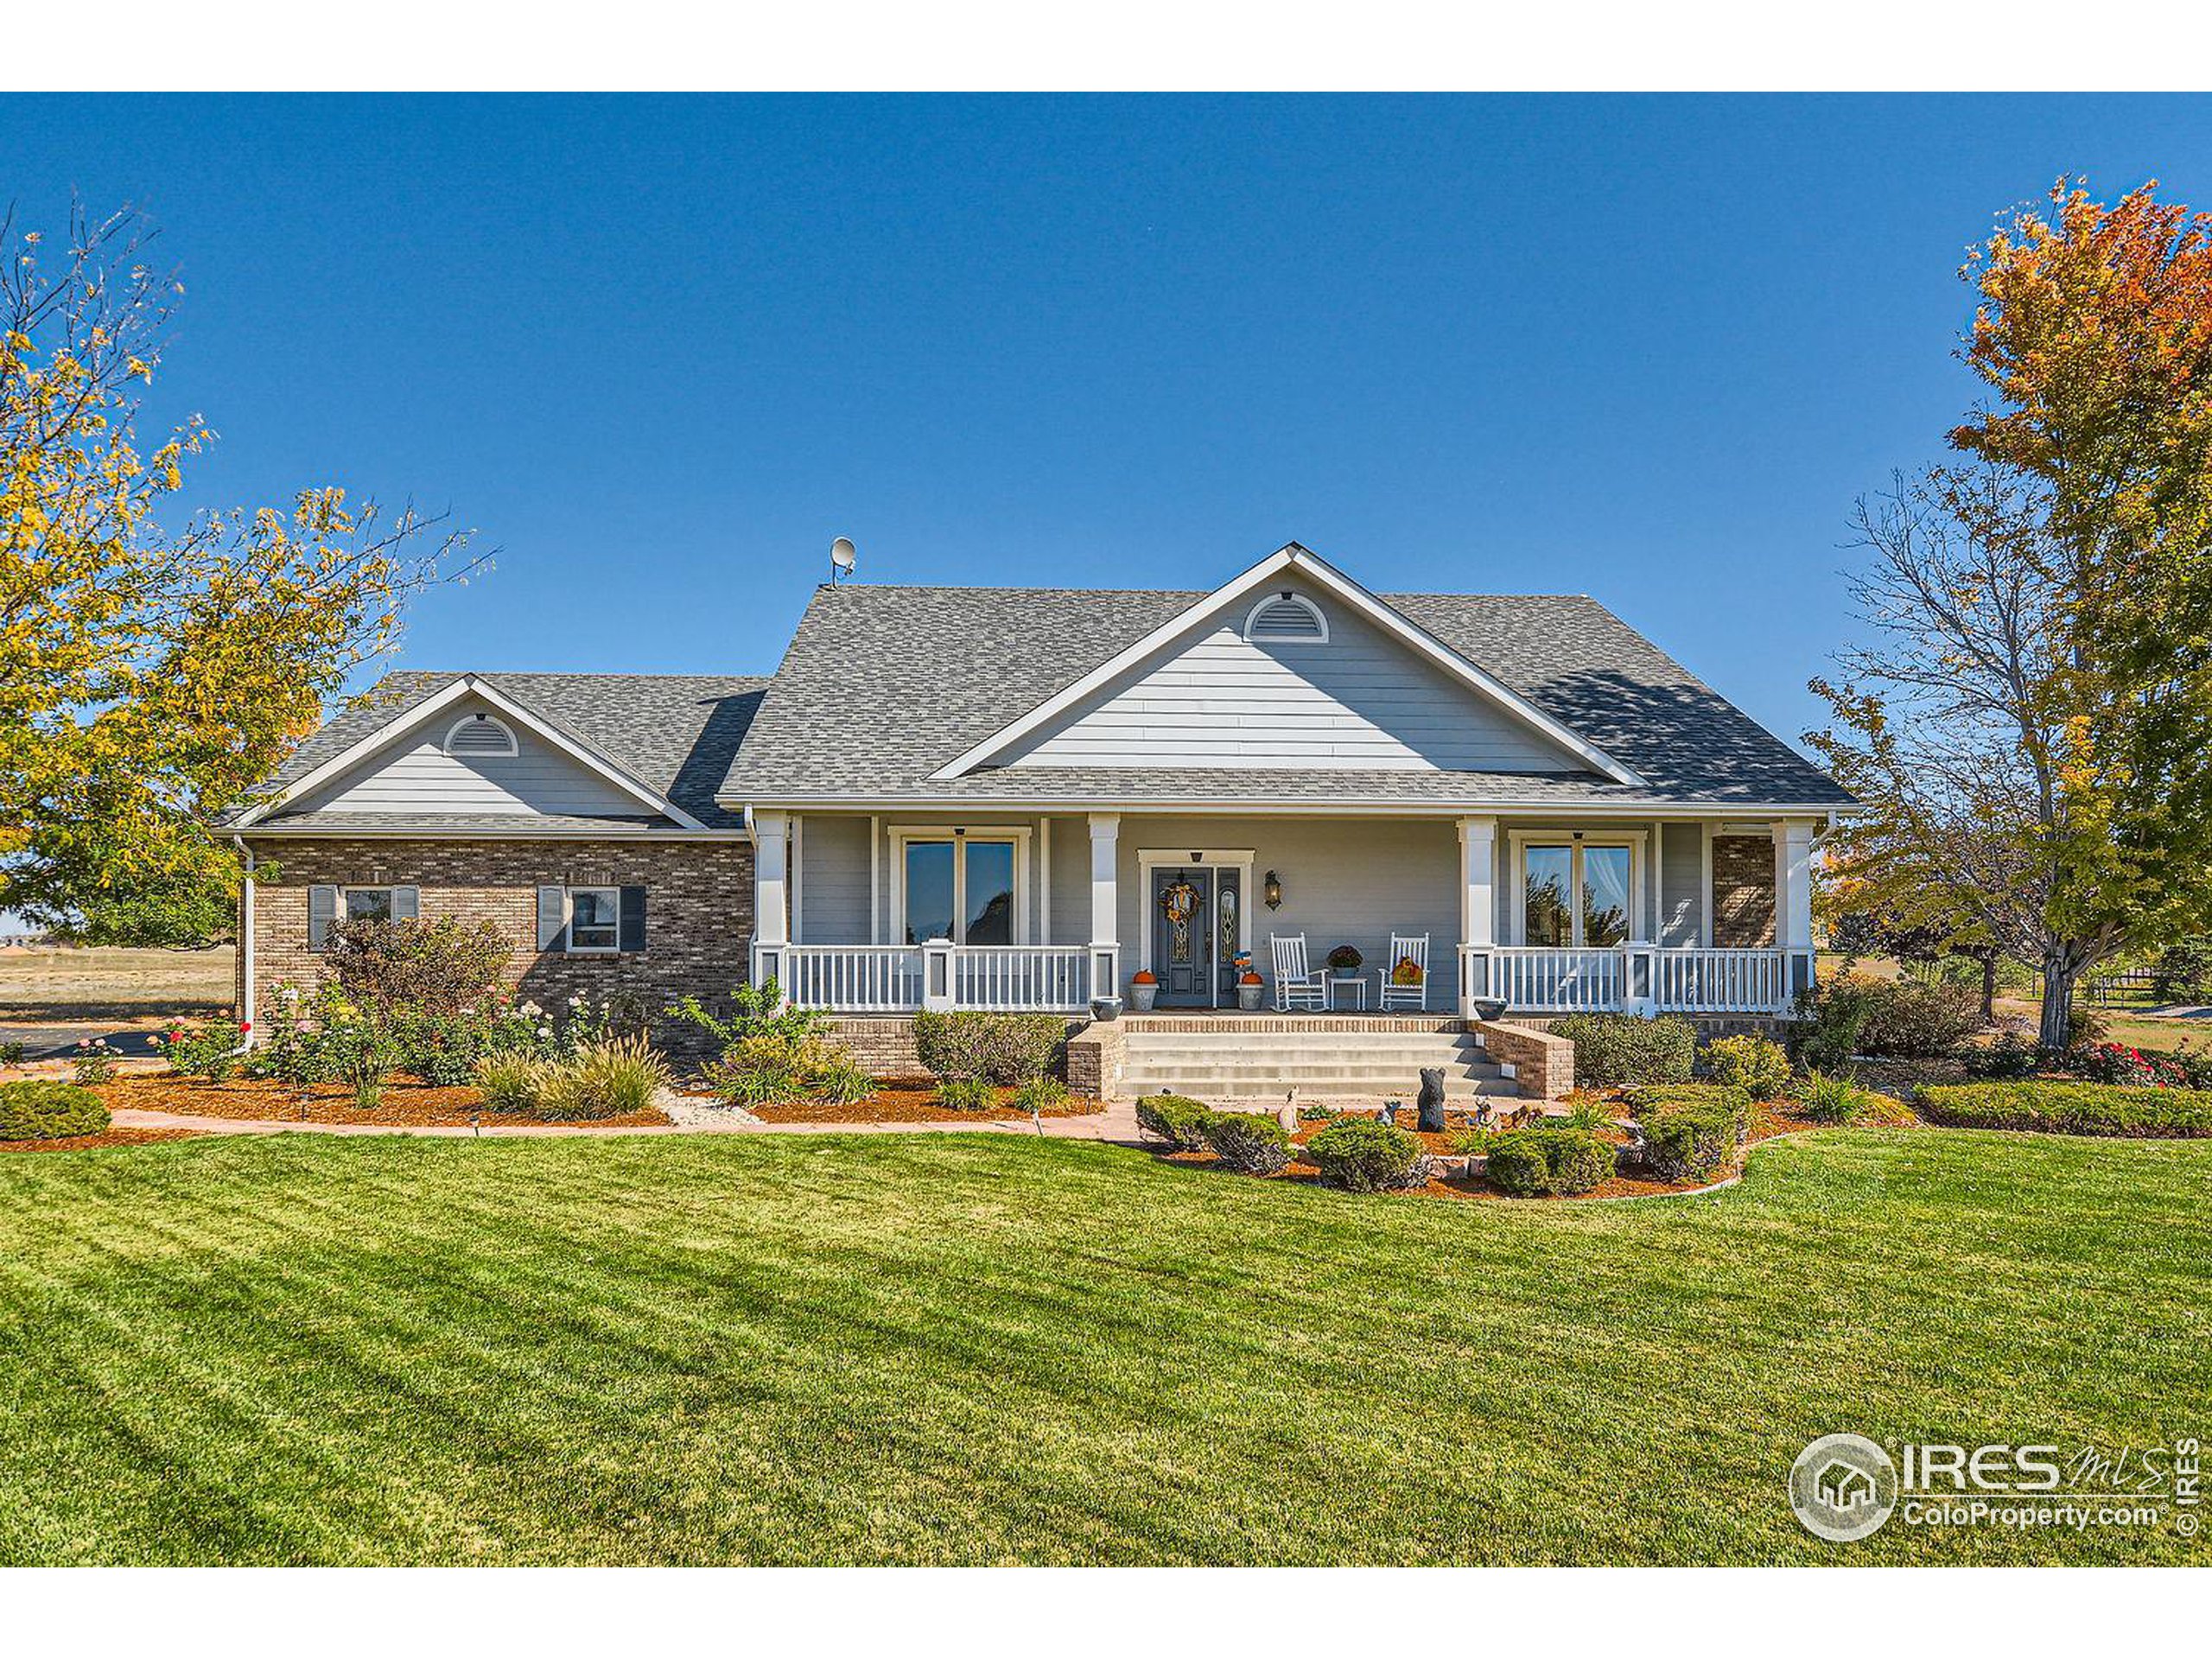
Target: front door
column 1195, row 919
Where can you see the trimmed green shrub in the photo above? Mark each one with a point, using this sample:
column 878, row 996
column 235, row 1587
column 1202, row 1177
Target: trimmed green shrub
column 1752, row 1063
column 1361, row 1155
column 1722, row 1096
column 1039, row 1095
column 1530, row 1163
column 48, row 1110
column 1248, row 1141
column 12, row 1052
column 1614, row 1050
column 1001, row 1048
column 1687, row 1143
column 1828, row 1099
column 1176, row 1119
column 1855, row 1014
column 2069, row 1108
column 2010, row 1055
column 967, row 1095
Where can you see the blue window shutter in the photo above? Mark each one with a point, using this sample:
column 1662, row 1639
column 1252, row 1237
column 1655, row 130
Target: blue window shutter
column 406, row 903
column 632, row 934
column 553, row 918
column 322, row 910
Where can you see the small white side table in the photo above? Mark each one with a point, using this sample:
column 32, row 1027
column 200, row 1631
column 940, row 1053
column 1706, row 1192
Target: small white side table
column 1356, row 983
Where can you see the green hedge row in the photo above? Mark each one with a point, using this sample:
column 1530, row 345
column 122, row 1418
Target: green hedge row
column 2069, row 1108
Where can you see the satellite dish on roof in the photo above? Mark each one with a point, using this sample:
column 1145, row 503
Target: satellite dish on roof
column 843, row 556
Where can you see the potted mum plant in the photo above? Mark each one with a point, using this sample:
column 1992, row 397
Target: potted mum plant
column 1344, row 960
column 1144, row 986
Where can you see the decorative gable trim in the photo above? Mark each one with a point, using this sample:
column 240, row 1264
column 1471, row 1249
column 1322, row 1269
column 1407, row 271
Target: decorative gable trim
column 427, row 710
column 1252, row 586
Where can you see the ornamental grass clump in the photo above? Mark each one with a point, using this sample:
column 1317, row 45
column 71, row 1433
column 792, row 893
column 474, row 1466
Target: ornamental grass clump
column 617, row 1078
column 1176, row 1119
column 510, row 1082
column 1358, row 1154
column 47, row 1109
column 966, row 1095
column 1249, row 1142
column 1830, row 1099
column 1540, row 1163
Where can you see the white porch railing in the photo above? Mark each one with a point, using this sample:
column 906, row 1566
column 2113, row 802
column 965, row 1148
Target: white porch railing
column 901, row 978
column 1050, row 977
column 1722, row 982
column 1548, row 980
column 852, row 978
column 1543, row 979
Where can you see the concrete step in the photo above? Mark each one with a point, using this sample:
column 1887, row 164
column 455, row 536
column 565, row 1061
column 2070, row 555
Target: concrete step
column 1215, row 1089
column 1367, row 1079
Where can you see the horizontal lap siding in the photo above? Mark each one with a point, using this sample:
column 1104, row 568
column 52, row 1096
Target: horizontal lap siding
column 833, row 880
column 1681, row 895
column 418, row 776
column 698, row 908
column 1360, row 700
column 1345, row 882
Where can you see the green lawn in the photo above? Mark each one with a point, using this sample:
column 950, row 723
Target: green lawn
column 967, row 1349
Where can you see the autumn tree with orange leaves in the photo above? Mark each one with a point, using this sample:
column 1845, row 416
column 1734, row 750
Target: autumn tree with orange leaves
column 151, row 675
column 2030, row 719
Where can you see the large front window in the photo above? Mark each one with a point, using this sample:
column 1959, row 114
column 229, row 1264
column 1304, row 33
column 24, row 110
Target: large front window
column 960, row 889
column 1574, row 894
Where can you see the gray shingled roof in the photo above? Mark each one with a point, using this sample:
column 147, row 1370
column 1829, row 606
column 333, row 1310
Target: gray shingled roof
column 675, row 733
column 883, row 685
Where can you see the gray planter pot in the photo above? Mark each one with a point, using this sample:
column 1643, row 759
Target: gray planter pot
column 1248, row 997
column 1141, row 997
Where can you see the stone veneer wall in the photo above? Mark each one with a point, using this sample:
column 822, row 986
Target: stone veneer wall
column 1742, row 891
column 698, row 910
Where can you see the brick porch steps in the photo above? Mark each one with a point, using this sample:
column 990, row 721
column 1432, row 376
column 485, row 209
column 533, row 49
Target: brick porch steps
column 1256, row 1056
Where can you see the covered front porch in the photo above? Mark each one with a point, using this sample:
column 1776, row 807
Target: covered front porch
column 1057, row 912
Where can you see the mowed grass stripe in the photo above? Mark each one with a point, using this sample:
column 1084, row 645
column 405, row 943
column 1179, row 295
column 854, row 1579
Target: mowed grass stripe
column 972, row 1349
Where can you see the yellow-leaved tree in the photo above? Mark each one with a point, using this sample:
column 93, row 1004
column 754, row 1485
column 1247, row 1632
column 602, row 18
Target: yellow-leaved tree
column 150, row 675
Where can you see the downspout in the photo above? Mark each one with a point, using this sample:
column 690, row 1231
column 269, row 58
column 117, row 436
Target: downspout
column 246, row 946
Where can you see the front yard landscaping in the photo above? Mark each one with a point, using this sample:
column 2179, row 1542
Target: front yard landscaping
column 970, row 1348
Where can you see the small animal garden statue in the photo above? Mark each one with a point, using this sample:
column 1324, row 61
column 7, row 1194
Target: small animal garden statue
column 1431, row 1100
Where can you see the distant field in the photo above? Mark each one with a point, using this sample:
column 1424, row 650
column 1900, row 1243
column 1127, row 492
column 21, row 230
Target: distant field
column 65, row 985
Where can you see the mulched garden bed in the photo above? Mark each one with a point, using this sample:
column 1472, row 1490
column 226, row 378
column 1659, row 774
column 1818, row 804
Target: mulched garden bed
column 898, row 1105
column 1769, row 1119
column 118, row 1137
column 405, row 1105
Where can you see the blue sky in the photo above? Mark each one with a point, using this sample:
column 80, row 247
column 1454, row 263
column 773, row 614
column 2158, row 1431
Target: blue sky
column 661, row 350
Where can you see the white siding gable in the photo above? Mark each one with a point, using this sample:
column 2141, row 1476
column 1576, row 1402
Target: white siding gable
column 1359, row 702
column 415, row 774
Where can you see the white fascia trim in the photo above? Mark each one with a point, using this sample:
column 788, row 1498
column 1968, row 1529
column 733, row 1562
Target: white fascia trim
column 1342, row 587
column 423, row 712
column 277, row 829
column 1253, row 805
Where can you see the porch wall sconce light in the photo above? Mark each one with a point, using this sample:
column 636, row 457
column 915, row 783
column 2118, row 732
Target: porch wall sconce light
column 1274, row 891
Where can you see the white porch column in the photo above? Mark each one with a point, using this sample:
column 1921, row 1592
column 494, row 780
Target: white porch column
column 1477, row 909
column 1105, row 905
column 1793, row 901
column 771, row 894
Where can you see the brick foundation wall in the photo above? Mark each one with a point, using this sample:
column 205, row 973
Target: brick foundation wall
column 1097, row 1056
column 1543, row 1064
column 884, row 1046
column 1742, row 892
column 698, row 911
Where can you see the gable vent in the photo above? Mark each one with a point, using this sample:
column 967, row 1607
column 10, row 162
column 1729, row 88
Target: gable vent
column 479, row 735
column 1287, row 617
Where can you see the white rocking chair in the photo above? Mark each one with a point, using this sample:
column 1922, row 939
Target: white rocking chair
column 1296, row 986
column 1413, row 994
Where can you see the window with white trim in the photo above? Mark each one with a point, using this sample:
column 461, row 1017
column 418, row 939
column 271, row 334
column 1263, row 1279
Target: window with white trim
column 594, row 920
column 964, row 889
column 1575, row 893
column 368, row 904
column 479, row 736
column 1286, row 619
